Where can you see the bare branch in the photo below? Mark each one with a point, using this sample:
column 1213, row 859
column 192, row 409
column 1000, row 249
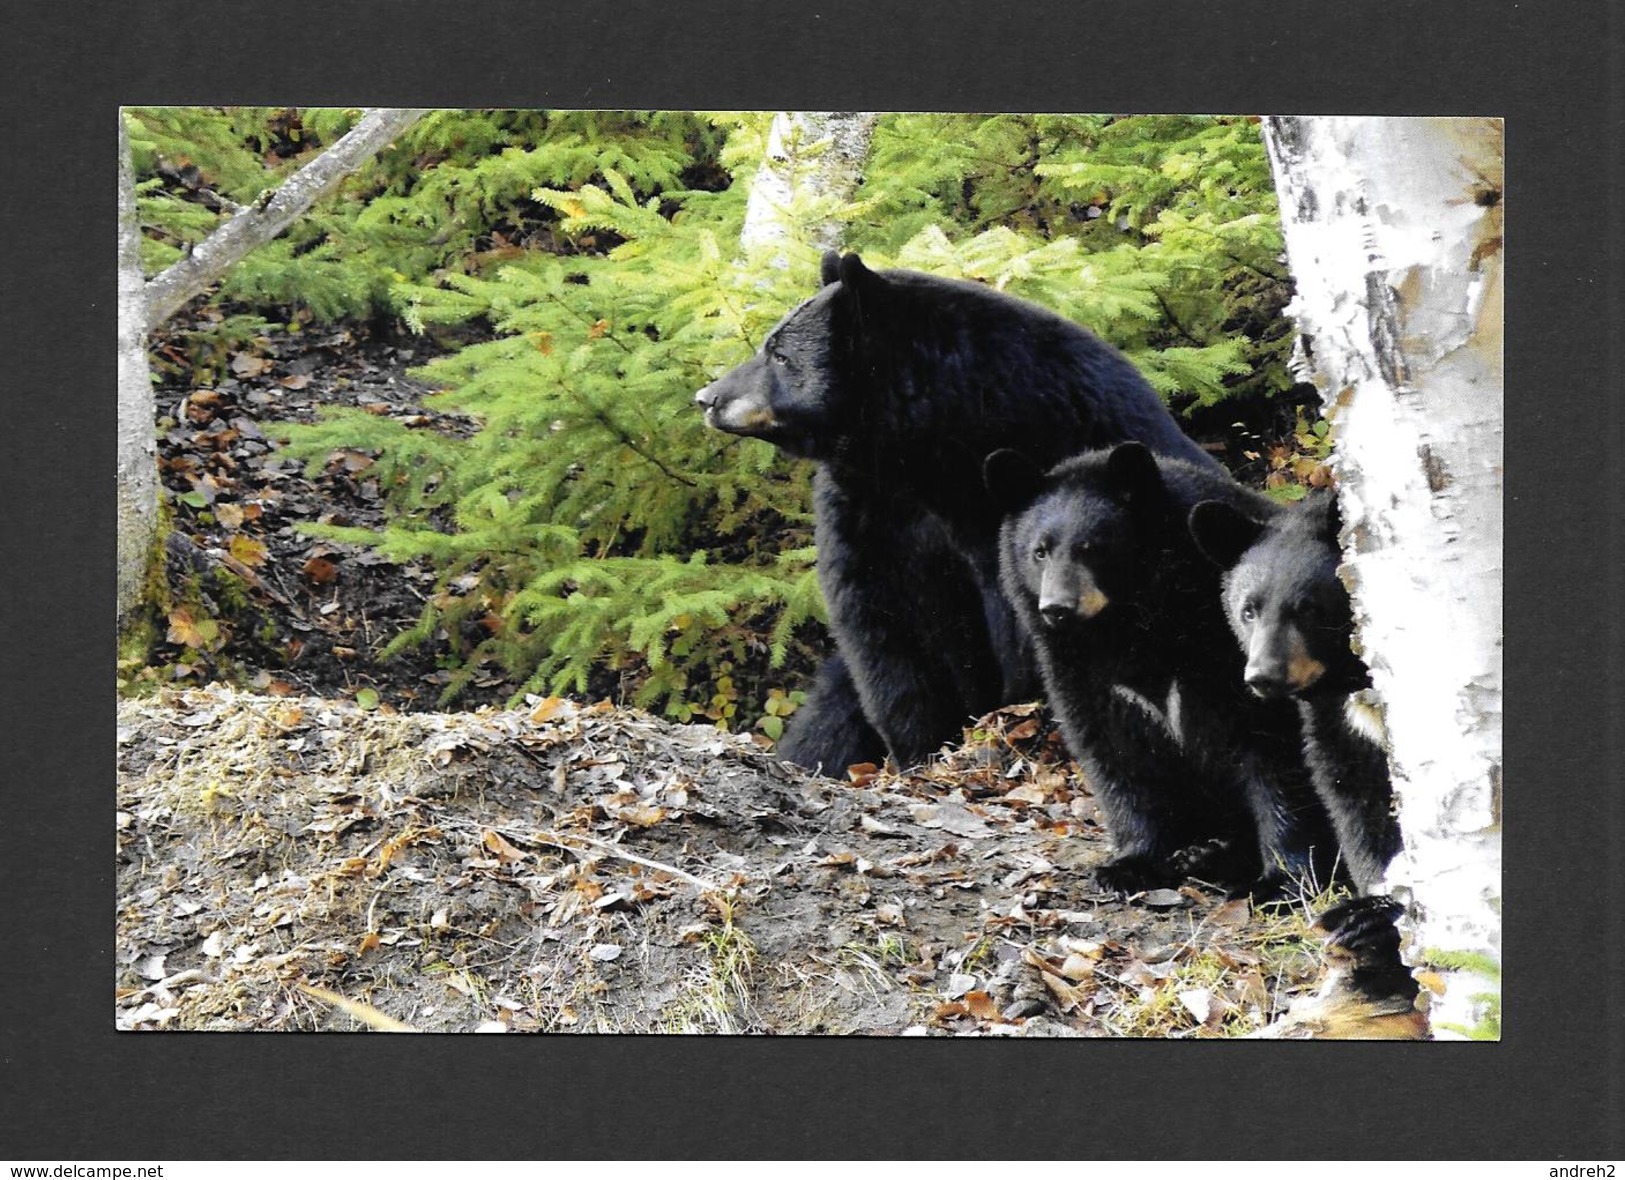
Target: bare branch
column 268, row 217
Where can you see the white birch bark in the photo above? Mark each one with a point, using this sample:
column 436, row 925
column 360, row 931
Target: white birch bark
column 137, row 501
column 812, row 156
column 274, row 212
column 1393, row 233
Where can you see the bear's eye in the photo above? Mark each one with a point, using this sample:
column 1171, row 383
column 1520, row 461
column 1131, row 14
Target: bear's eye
column 1040, row 551
column 1249, row 610
column 777, row 357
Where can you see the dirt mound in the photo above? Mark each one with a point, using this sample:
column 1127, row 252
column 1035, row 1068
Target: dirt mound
column 299, row 863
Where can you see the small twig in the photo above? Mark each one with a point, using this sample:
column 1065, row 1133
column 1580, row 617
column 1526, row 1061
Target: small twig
column 1168, row 313
column 555, row 840
column 193, row 975
column 365, row 1013
column 602, row 417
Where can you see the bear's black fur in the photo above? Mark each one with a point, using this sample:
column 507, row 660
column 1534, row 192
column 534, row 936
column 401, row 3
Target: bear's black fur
column 829, row 729
column 1365, row 932
column 1140, row 668
column 1291, row 616
column 898, row 384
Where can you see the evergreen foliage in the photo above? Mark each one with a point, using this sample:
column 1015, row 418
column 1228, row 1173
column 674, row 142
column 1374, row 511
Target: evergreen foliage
column 603, row 538
column 1160, row 232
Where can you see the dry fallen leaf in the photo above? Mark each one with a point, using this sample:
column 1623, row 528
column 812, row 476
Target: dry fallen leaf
column 1026, row 793
column 1076, row 967
column 981, row 1005
column 950, row 817
column 246, row 364
column 192, row 632
column 875, row 828
column 549, row 708
column 248, row 551
column 642, row 816
column 1067, row 996
column 1162, row 899
column 463, row 983
column 505, row 851
column 319, row 570
column 862, row 773
column 1232, row 914
column 1198, row 1001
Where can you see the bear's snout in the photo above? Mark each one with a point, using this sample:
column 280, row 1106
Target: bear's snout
column 1054, row 614
column 1271, row 685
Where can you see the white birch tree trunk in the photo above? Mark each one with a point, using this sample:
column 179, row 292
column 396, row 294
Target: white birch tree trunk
column 137, row 501
column 1393, row 233
column 813, row 163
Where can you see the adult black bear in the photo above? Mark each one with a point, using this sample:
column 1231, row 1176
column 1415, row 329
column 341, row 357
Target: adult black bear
column 829, row 729
column 898, row 385
column 1291, row 616
column 1140, row 668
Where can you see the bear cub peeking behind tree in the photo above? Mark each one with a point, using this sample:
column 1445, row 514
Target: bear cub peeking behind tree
column 1291, row 617
column 898, row 385
column 1292, row 620
column 1140, row 669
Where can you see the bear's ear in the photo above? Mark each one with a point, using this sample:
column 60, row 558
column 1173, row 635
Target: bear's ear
column 1012, row 479
column 829, row 271
column 854, row 274
column 1131, row 472
column 1320, row 509
column 862, row 292
column 1222, row 533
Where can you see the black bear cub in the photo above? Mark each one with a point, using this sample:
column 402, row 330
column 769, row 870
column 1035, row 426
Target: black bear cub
column 1140, row 668
column 1291, row 617
column 897, row 385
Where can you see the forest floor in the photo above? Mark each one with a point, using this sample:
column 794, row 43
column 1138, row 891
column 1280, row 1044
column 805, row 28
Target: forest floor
column 314, row 848
column 300, row 863
column 313, row 615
